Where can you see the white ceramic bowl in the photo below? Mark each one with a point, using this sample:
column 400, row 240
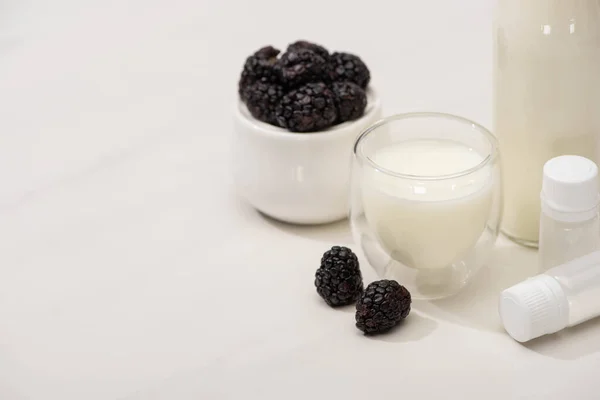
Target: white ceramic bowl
column 301, row 178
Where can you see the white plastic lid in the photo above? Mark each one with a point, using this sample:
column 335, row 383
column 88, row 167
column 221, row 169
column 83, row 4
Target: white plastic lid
column 570, row 184
column 533, row 308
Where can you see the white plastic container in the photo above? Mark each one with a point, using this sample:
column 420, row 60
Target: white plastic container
column 569, row 223
column 562, row 297
column 546, row 97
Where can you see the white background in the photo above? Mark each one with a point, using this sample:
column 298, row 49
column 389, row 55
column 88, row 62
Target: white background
column 129, row 269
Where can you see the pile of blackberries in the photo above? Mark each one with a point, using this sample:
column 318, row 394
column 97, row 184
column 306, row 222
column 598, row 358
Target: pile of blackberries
column 305, row 89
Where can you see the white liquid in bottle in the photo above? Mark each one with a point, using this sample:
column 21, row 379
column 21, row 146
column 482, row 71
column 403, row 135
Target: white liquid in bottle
column 547, row 92
column 564, row 296
column 428, row 224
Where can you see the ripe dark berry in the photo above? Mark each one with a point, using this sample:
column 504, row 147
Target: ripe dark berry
column 350, row 100
column 300, row 65
column 347, row 67
column 381, row 306
column 262, row 99
column 303, row 44
column 338, row 279
column 307, row 109
column 260, row 66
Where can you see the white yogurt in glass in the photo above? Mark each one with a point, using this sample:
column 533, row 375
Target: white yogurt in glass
column 428, row 202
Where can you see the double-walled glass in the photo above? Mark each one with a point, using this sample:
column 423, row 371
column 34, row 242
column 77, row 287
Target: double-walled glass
column 426, row 200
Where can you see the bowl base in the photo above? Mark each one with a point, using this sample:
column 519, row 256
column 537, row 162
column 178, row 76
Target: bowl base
column 303, row 221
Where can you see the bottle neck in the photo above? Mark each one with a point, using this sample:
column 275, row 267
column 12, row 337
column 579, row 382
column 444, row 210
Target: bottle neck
column 570, row 216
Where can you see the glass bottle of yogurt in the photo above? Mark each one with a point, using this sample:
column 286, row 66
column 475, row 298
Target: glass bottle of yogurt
column 546, row 97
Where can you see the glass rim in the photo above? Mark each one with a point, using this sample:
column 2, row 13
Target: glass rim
column 439, row 115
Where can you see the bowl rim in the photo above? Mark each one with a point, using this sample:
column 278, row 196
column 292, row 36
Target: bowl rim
column 373, row 106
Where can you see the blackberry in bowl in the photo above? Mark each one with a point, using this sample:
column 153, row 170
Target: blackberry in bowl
column 295, row 124
column 259, row 67
column 346, row 67
column 304, row 44
column 309, row 108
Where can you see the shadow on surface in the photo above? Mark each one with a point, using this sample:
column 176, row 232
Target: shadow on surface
column 476, row 306
column 319, row 302
column 351, row 309
column 569, row 344
column 414, row 328
column 333, row 233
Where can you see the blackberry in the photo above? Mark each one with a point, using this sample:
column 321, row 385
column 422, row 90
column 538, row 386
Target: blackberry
column 338, row 280
column 303, row 44
column 348, row 67
column 262, row 99
column 260, row 66
column 381, row 306
column 307, row 109
column 300, row 65
column 350, row 100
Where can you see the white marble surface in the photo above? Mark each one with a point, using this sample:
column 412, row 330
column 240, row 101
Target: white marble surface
column 128, row 268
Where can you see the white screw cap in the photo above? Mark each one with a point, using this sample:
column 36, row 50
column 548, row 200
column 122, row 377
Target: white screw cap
column 533, row 308
column 570, row 184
